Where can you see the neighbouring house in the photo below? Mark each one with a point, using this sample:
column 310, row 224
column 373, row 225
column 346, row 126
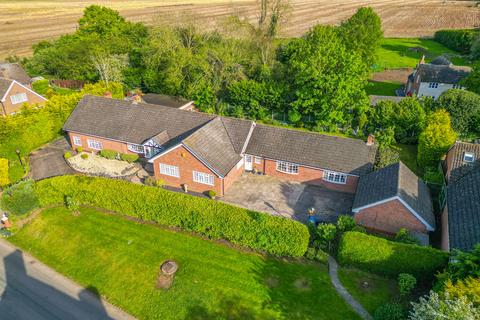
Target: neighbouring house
column 168, row 101
column 374, row 100
column 209, row 152
column 14, row 71
column 434, row 78
column 392, row 198
column 461, row 214
column 13, row 95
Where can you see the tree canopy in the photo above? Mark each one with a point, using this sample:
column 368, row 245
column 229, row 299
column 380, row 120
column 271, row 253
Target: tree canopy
column 464, row 108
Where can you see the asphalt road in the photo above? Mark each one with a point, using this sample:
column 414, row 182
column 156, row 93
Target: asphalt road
column 30, row 290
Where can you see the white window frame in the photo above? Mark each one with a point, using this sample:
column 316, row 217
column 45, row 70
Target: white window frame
column 19, row 98
column 77, row 141
column 137, row 148
column 467, row 155
column 433, row 85
column 203, row 178
column 169, row 170
column 335, row 177
column 258, row 160
column 287, row 167
column 94, row 144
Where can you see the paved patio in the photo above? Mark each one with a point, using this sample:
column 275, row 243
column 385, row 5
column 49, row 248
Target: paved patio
column 288, row 199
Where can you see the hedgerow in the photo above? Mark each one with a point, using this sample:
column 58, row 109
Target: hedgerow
column 216, row 220
column 390, row 258
column 458, row 40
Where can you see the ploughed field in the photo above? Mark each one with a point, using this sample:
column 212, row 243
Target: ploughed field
column 26, row 22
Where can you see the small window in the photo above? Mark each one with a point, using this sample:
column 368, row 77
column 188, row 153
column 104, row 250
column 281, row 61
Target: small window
column 19, row 98
column 335, row 177
column 136, row 148
column 94, row 144
column 433, row 85
column 203, row 178
column 468, row 157
column 258, row 160
column 77, row 141
column 287, row 167
column 169, row 170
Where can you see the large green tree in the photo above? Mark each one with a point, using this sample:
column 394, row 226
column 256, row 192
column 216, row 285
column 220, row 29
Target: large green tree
column 472, row 82
column 325, row 78
column 464, row 108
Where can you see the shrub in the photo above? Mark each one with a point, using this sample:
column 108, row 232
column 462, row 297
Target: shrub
column 389, row 258
column 406, row 283
column 20, row 198
column 108, row 154
column 67, row 155
column 212, row 194
column 404, row 236
column 150, row 181
column 79, row 149
column 346, row 223
column 41, row 86
column 130, row 158
column 71, row 203
column 389, row 311
column 325, row 235
column 459, row 40
column 321, row 256
column 214, row 219
column 159, row 183
column 84, row 156
column 442, row 306
column 360, row 229
column 4, row 177
column 310, row 254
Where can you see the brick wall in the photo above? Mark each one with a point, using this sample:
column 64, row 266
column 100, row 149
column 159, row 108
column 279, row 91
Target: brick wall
column 389, row 217
column 8, row 107
column 120, row 147
column 445, row 243
column 187, row 163
column 232, row 176
column 309, row 175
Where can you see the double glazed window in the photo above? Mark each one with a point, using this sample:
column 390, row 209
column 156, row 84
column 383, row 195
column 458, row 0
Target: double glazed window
column 135, row 148
column 468, row 157
column 94, row 144
column 287, row 167
column 19, row 98
column 77, row 141
column 203, row 178
column 169, row 170
column 335, row 177
column 433, row 85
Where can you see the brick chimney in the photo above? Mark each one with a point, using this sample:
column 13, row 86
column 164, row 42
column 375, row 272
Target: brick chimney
column 370, row 140
column 107, row 94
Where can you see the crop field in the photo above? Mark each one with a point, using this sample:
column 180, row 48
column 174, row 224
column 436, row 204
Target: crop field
column 25, row 22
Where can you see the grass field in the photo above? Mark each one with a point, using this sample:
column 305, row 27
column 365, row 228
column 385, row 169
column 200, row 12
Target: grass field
column 24, row 23
column 382, row 88
column 121, row 260
column 379, row 291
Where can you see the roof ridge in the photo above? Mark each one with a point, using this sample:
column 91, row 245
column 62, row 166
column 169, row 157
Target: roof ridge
column 228, row 133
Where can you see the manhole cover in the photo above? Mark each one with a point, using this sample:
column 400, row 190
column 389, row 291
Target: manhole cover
column 169, row 267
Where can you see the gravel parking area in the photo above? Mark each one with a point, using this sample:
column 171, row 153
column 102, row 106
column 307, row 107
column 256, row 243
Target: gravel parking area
column 288, row 199
column 99, row 166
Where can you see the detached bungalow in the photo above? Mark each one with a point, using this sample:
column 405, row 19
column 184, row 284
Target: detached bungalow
column 209, row 152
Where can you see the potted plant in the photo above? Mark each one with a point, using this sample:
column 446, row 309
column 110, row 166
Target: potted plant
column 185, row 187
column 212, row 194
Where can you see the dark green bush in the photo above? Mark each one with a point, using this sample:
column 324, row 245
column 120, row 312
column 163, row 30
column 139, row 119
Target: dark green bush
column 459, row 40
column 149, row 181
column 389, row 311
column 19, row 199
column 346, row 223
column 406, row 283
column 389, row 258
column 108, row 154
column 41, row 86
column 404, row 236
column 130, row 158
column 212, row 194
column 214, row 219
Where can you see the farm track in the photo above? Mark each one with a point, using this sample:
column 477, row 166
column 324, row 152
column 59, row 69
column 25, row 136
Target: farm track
column 23, row 23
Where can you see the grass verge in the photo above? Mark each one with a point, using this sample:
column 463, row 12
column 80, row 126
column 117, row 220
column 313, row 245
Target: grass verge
column 121, row 259
column 382, row 88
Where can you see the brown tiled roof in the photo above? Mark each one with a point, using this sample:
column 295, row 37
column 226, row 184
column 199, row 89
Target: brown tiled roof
column 4, row 85
column 463, row 202
column 164, row 100
column 312, row 149
column 459, row 167
column 14, row 71
column 395, row 180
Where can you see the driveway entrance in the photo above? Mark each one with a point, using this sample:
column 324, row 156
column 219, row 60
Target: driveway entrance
column 49, row 162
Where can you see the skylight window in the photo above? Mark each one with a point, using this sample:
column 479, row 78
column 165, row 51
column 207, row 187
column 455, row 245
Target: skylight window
column 468, row 157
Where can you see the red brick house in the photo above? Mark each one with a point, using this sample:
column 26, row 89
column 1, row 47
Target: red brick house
column 392, row 198
column 13, row 95
column 209, row 152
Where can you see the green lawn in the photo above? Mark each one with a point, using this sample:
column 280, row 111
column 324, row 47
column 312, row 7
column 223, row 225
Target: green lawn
column 382, row 88
column 397, row 53
column 121, row 258
column 379, row 291
column 408, row 155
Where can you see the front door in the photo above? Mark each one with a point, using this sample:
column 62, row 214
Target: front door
column 248, row 162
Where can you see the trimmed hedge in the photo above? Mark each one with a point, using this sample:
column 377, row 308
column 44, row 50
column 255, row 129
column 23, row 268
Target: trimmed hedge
column 130, row 158
column 459, row 40
column 108, row 154
column 214, row 219
column 390, row 258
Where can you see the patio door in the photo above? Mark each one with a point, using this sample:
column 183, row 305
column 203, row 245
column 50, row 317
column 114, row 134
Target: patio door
column 248, row 162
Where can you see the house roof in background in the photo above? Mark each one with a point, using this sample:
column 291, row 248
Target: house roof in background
column 375, row 99
column 463, row 203
column 14, row 71
column 312, row 149
column 441, row 61
column 459, row 167
column 442, row 73
column 167, row 101
column 4, row 86
column 395, row 180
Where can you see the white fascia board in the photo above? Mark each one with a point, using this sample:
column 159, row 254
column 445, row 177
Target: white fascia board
column 26, row 88
column 164, row 152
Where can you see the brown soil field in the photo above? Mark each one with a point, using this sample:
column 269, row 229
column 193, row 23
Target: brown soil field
column 26, row 22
